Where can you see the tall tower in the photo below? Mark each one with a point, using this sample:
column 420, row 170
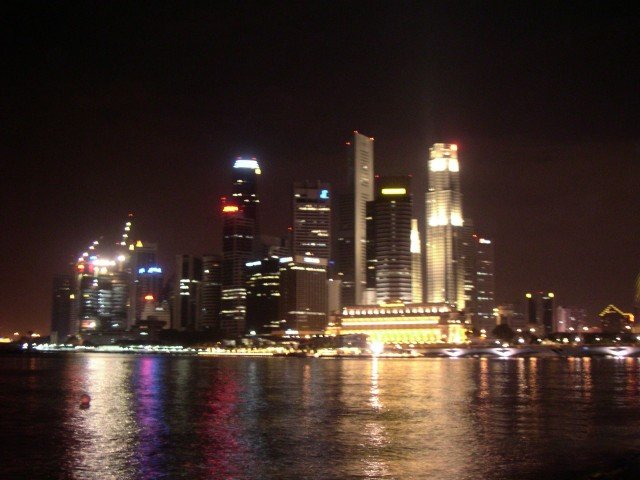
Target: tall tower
column 210, row 292
column 390, row 242
column 311, row 219
column 186, row 303
column 238, row 231
column 416, row 263
column 352, row 223
column 245, row 186
column 63, row 296
column 445, row 270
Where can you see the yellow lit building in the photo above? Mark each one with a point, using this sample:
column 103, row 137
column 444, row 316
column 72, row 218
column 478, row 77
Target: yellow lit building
column 403, row 324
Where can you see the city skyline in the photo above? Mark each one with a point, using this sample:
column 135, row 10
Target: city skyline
column 553, row 186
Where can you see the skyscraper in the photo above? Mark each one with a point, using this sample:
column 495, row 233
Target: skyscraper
column 245, row 186
column 210, row 292
column 416, row 263
column 351, row 229
column 303, row 294
column 445, row 270
column 61, row 308
column 389, row 239
column 485, row 281
column 312, row 219
column 186, row 301
column 237, row 249
column 263, row 295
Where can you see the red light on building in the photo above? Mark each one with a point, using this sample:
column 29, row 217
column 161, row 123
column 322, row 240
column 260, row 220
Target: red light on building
column 230, row 209
column 149, row 298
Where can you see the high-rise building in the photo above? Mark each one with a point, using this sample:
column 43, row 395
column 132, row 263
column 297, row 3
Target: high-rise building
column 351, row 252
column 238, row 232
column 61, row 308
column 416, row 263
column 389, row 240
column 479, row 282
column 531, row 310
column 263, row 295
column 547, row 312
column 146, row 275
column 485, row 282
column 303, row 294
column 187, row 292
column 444, row 265
column 210, row 292
column 245, row 186
column 148, row 282
column 312, row 219
column 540, row 311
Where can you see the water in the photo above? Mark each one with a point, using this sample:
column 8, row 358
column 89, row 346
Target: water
column 155, row 417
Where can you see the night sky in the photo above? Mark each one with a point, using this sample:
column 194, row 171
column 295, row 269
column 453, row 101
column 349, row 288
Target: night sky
column 111, row 107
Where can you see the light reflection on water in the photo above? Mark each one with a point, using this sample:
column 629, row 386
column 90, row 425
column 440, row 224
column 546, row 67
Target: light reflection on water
column 155, row 417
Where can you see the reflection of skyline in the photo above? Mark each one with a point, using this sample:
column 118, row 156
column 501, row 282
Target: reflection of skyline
column 152, row 434
column 107, row 432
column 154, row 416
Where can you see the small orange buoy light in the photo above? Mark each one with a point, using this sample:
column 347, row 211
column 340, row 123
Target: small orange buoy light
column 85, row 401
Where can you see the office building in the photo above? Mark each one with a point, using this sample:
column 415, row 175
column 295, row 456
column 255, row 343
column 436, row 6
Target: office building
column 479, row 286
column 351, row 252
column 444, row 265
column 187, row 292
column 547, row 313
column 388, row 240
column 61, row 308
column 540, row 312
column 245, row 186
column 238, row 232
column 148, row 282
column 416, row 263
column 303, row 294
column 571, row 319
column 210, row 292
column 312, row 219
column 263, row 295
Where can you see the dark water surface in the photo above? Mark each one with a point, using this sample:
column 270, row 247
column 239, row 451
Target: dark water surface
column 154, row 417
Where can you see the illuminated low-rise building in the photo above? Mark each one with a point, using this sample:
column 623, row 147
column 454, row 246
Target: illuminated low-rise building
column 403, row 324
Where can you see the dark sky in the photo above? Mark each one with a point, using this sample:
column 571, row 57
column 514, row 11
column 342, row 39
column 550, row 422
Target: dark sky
column 115, row 107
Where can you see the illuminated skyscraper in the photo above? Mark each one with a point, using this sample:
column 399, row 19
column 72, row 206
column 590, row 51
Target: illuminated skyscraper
column 263, row 295
column 445, row 270
column 351, row 252
column 210, row 292
column 303, row 294
column 244, row 192
column 389, row 240
column 238, row 233
column 416, row 263
column 186, row 300
column 311, row 219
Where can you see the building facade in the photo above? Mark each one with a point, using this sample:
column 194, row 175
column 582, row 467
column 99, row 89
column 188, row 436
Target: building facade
column 210, row 292
column 412, row 325
column 444, row 221
column 61, row 308
column 186, row 305
column 389, row 260
column 351, row 252
column 303, row 294
column 312, row 219
column 263, row 295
